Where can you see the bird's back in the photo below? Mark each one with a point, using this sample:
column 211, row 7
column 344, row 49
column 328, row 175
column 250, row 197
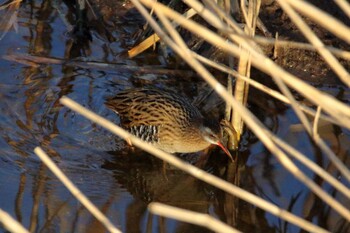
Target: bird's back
column 163, row 118
column 146, row 106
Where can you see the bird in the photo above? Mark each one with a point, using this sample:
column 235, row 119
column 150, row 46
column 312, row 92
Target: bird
column 166, row 120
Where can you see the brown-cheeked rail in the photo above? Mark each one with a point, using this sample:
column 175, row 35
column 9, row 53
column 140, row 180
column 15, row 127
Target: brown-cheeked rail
column 166, row 120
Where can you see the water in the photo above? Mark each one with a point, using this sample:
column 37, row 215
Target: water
column 122, row 181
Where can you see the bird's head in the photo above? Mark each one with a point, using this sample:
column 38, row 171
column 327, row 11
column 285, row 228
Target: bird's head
column 212, row 134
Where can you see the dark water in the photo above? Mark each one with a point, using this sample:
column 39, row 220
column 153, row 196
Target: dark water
column 119, row 180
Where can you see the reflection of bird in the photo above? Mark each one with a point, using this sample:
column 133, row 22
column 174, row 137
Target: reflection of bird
column 166, row 120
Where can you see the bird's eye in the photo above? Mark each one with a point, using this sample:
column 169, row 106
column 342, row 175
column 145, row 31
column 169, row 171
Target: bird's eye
column 213, row 136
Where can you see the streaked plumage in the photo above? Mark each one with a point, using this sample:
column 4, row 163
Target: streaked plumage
column 166, row 120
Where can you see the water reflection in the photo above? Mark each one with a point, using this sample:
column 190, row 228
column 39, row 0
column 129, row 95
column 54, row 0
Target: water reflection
column 148, row 179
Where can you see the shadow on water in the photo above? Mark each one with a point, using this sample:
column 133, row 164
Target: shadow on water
column 122, row 182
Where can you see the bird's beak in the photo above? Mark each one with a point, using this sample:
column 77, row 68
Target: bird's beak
column 225, row 150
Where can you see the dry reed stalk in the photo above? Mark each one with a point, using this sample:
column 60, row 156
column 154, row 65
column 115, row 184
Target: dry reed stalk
column 192, row 170
column 244, row 64
column 344, row 6
column 316, row 120
column 316, row 42
column 75, row 191
column 192, row 217
column 232, row 141
column 255, row 125
column 11, row 224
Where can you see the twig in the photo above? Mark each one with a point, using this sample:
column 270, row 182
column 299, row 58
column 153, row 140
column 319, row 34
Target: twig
column 316, row 120
column 244, row 63
column 344, row 5
column 192, row 217
column 275, row 47
column 11, row 224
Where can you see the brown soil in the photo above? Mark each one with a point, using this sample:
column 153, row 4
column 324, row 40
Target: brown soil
column 307, row 65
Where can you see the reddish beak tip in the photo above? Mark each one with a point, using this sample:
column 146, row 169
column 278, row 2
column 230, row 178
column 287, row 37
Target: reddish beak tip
column 225, row 150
